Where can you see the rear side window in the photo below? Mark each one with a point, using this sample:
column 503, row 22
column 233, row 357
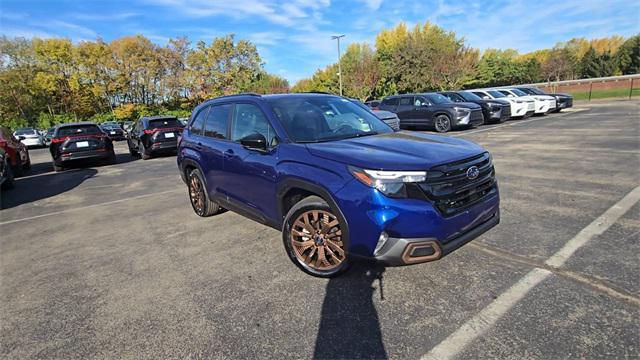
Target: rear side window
column 164, row 123
column 217, row 121
column 198, row 123
column 79, row 130
column 391, row 101
column 248, row 119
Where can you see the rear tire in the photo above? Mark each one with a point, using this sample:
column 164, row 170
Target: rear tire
column 314, row 238
column 198, row 196
column 111, row 160
column 143, row 152
column 9, row 182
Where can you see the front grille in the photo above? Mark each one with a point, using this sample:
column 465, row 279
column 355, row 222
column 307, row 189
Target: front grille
column 451, row 191
column 506, row 110
column 476, row 115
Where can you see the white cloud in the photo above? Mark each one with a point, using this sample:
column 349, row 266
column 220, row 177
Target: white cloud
column 372, row 4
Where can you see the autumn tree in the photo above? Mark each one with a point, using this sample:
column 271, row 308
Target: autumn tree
column 628, row 56
column 361, row 71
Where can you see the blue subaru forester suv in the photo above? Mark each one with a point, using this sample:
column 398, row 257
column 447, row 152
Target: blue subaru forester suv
column 338, row 182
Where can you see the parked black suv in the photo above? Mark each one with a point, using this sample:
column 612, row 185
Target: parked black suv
column 493, row 111
column 563, row 101
column 80, row 141
column 432, row 110
column 152, row 135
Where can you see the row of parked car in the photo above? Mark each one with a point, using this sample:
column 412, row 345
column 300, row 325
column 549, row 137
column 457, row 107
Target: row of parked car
column 447, row 110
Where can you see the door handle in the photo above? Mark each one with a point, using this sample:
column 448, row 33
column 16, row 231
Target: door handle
column 229, row 153
column 198, row 146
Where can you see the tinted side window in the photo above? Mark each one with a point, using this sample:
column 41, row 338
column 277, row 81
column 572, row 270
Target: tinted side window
column 406, row 100
column 248, row 119
column 198, row 122
column 482, row 95
column 420, row 101
column 392, row 101
column 217, row 121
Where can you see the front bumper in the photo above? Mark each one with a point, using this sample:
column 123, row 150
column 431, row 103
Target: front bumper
column 400, row 251
column 473, row 118
column 500, row 114
column 408, row 223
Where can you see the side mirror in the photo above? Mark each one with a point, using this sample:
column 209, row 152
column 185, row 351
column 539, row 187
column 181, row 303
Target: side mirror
column 254, row 141
column 20, row 137
column 486, row 97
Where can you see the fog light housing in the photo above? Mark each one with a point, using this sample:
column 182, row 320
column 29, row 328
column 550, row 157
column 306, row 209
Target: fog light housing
column 381, row 241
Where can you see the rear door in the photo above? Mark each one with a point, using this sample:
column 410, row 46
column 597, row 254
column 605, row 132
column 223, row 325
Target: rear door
column 213, row 142
column 249, row 175
column 405, row 109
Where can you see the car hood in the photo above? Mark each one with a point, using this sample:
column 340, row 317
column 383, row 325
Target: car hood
column 402, row 150
column 383, row 115
column 452, row 105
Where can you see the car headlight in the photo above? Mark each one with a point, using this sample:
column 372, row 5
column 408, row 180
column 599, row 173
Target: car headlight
column 390, row 183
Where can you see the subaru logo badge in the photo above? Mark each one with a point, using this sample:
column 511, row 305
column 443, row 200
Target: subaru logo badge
column 473, row 172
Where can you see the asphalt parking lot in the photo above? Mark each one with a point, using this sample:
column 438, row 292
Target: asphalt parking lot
column 111, row 262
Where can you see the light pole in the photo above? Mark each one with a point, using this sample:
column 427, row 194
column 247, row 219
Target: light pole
column 337, row 37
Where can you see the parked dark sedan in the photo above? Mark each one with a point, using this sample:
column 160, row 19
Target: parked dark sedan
column 493, row 111
column 152, row 135
column 74, row 142
column 114, row 131
column 432, row 110
column 563, row 101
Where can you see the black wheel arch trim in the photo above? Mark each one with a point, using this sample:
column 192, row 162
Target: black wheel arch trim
column 190, row 162
column 320, row 191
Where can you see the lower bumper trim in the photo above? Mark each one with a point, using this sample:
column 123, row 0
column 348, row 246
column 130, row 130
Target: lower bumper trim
column 401, row 251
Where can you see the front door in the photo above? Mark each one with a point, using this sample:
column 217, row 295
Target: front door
column 249, row 175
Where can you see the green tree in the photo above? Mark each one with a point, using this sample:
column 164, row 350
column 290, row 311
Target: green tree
column 628, row 56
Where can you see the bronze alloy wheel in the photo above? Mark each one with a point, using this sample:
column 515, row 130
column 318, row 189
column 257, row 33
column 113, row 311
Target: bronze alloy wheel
column 316, row 239
column 196, row 194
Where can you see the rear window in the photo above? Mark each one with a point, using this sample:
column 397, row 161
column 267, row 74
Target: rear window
column 164, row 123
column 77, row 130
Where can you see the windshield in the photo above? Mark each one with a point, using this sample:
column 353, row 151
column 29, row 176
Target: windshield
column 535, row 91
column 25, row 132
column 469, row 96
column 496, row 94
column 325, row 118
column 79, row 130
column 164, row 123
column 519, row 92
column 111, row 127
column 437, row 99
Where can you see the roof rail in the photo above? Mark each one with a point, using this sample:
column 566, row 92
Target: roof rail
column 318, row 92
column 240, row 94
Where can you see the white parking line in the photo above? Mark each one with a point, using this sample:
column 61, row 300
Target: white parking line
column 487, row 317
column 518, row 122
column 87, row 207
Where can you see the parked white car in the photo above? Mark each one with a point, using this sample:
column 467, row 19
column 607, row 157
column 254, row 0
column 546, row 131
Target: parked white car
column 29, row 137
column 520, row 108
column 543, row 103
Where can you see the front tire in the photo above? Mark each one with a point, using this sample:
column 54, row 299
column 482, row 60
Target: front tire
column 314, row 238
column 442, row 123
column 198, row 196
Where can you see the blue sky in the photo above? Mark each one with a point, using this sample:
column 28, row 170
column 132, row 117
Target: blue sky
column 293, row 36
